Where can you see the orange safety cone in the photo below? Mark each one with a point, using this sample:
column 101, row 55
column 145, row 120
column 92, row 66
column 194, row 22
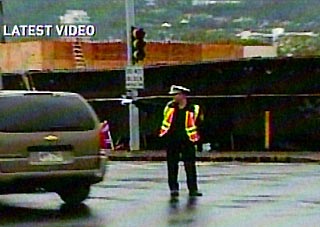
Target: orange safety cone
column 105, row 129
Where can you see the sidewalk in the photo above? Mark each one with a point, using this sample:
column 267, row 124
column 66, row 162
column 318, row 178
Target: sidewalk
column 225, row 156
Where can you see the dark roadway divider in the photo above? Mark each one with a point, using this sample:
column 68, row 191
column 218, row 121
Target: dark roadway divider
column 231, row 156
column 233, row 121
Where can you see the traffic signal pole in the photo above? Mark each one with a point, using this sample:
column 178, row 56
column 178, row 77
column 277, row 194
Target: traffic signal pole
column 133, row 110
column 130, row 22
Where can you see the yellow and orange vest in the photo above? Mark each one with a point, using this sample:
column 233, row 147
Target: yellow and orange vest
column 190, row 125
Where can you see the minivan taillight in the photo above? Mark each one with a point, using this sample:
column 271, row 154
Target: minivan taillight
column 103, row 144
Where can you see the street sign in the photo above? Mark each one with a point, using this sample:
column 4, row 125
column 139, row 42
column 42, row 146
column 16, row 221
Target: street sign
column 134, row 78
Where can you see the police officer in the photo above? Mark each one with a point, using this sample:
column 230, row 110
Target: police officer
column 179, row 127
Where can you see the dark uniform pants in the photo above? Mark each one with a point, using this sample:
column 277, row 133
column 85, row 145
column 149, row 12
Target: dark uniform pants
column 185, row 151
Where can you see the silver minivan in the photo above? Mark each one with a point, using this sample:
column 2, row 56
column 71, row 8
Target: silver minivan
column 49, row 141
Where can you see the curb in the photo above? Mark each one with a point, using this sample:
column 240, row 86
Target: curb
column 222, row 158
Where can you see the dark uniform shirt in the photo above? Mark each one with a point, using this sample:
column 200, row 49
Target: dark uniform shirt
column 178, row 127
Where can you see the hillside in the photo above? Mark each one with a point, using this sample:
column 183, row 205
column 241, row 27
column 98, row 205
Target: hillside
column 205, row 23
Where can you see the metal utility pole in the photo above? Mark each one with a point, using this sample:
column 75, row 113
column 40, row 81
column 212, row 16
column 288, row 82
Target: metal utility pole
column 2, row 40
column 129, row 23
column 133, row 110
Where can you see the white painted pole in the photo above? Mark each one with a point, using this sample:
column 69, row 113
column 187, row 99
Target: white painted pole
column 133, row 110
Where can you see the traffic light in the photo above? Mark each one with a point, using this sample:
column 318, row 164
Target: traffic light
column 137, row 44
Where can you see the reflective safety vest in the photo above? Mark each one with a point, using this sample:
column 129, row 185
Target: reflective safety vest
column 190, row 123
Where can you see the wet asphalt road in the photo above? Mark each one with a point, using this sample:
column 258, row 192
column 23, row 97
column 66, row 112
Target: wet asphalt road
column 136, row 194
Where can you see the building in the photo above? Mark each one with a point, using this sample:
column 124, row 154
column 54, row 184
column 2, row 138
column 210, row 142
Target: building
column 211, row 2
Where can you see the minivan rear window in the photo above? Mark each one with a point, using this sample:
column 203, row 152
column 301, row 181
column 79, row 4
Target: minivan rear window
column 40, row 113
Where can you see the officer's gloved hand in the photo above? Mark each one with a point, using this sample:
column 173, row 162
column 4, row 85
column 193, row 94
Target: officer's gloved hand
column 126, row 101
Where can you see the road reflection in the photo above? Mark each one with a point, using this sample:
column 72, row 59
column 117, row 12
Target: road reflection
column 15, row 215
column 181, row 213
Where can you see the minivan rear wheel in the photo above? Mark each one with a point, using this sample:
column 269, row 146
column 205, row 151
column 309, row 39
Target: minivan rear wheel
column 74, row 195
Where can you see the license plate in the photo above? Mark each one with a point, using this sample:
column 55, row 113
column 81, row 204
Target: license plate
column 50, row 158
